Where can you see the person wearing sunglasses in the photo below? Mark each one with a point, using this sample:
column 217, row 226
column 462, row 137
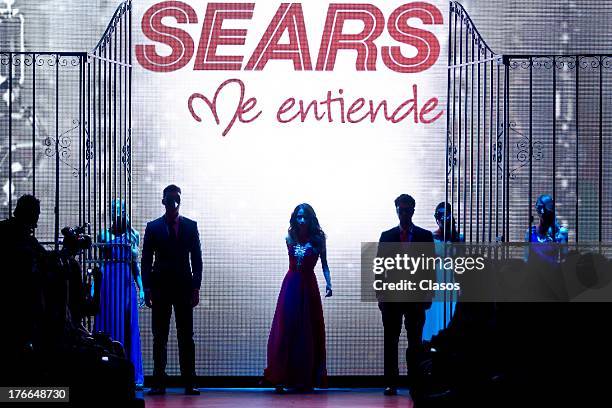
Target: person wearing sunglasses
column 447, row 229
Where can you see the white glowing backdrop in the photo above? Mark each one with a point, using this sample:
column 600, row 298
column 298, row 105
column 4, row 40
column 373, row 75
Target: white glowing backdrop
column 242, row 187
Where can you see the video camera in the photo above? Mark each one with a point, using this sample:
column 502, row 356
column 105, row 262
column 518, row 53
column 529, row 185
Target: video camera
column 76, row 238
column 84, row 284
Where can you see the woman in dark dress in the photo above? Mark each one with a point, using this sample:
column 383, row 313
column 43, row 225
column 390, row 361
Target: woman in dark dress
column 296, row 346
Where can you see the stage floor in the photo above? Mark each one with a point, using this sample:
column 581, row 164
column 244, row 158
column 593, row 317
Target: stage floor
column 266, row 398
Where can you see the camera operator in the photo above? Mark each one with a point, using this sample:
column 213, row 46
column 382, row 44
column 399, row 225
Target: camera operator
column 21, row 294
column 44, row 301
column 41, row 295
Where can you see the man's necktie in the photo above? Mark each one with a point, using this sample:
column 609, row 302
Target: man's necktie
column 171, row 231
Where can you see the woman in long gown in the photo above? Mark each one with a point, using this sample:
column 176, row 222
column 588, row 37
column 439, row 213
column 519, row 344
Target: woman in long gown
column 442, row 308
column 121, row 290
column 296, row 346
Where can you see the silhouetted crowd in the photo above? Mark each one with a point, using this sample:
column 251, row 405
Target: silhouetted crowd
column 490, row 354
column 44, row 301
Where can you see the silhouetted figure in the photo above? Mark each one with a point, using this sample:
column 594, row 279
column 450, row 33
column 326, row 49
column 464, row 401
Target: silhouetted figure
column 447, row 229
column 296, row 346
column 21, row 293
column 411, row 313
column 172, row 275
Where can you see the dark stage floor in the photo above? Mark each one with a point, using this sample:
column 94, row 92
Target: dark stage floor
column 266, row 398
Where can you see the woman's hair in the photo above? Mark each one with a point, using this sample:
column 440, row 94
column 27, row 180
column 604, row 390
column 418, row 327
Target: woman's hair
column 443, row 205
column 317, row 236
column 119, row 212
column 545, row 203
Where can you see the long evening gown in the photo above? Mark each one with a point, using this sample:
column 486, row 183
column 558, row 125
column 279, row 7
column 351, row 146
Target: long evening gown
column 441, row 306
column 296, row 346
column 118, row 316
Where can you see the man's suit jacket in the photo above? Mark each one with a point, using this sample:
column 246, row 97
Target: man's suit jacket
column 418, row 235
column 166, row 261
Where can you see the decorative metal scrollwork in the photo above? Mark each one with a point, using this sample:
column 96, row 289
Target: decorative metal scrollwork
column 515, row 63
column 64, row 141
column 89, row 149
column 25, row 59
column 589, row 62
column 451, row 154
column 45, row 59
column 128, row 152
column 524, row 150
column 542, row 62
column 124, row 154
column 546, row 62
column 497, row 148
column 72, row 61
column 565, row 62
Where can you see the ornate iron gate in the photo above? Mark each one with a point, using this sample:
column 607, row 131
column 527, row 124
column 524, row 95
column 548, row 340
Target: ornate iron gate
column 523, row 125
column 65, row 121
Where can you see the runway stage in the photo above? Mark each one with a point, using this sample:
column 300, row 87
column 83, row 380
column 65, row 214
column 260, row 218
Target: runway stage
column 266, row 398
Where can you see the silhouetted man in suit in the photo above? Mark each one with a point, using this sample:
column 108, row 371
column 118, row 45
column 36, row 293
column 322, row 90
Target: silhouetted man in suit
column 171, row 280
column 412, row 313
